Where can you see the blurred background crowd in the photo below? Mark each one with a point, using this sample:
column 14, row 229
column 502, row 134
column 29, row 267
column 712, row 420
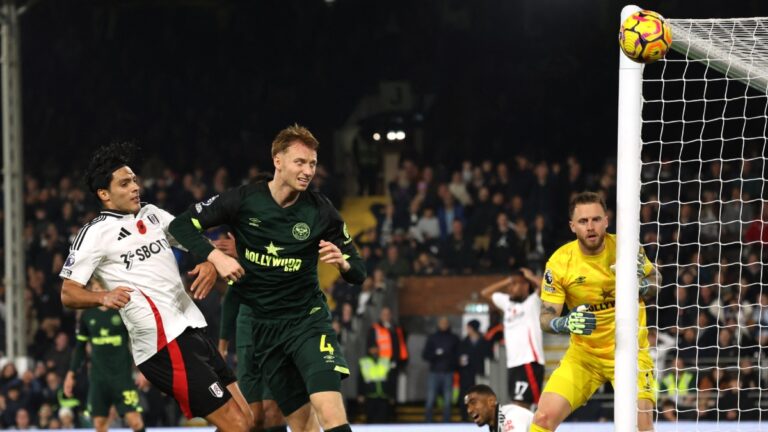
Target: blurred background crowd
column 707, row 329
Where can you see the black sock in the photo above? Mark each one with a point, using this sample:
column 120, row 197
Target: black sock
column 282, row 428
column 342, row 428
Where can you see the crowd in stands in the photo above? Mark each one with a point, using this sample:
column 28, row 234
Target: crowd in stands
column 707, row 328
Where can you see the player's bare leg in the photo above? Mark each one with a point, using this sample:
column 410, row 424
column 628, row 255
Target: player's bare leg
column 329, row 407
column 303, row 420
column 230, row 418
column 239, row 399
column 257, row 408
column 266, row 414
column 644, row 415
column 272, row 415
column 552, row 410
column 101, row 423
column 133, row 420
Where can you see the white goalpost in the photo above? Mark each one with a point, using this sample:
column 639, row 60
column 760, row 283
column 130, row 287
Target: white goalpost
column 692, row 168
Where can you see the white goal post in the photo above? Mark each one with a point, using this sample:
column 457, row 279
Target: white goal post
column 691, row 164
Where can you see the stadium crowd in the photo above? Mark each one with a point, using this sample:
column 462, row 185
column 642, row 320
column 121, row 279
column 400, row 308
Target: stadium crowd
column 707, row 328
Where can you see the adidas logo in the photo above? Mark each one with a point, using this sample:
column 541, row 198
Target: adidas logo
column 123, row 234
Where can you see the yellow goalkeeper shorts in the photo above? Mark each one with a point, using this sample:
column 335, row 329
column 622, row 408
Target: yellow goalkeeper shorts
column 580, row 375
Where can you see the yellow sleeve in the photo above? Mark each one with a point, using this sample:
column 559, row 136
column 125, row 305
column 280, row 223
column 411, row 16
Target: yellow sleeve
column 552, row 290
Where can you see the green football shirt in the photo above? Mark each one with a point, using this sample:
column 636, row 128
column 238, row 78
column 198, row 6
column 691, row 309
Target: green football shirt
column 276, row 246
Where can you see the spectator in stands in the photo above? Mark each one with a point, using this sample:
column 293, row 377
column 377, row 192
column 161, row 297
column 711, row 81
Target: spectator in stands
column 389, row 338
column 483, row 214
column 458, row 188
column 473, row 351
column 456, row 251
column 394, row 266
column 427, row 265
column 67, row 418
column 57, row 358
column 376, row 387
column 441, row 352
column 44, row 417
column 728, row 399
column 517, row 209
column 448, row 211
column 426, row 230
column 505, row 250
column 541, row 244
column 23, row 422
column 678, row 385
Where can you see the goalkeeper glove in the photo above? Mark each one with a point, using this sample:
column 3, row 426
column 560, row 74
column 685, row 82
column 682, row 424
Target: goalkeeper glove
column 643, row 281
column 578, row 321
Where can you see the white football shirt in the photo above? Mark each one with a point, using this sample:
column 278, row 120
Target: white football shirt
column 513, row 418
column 522, row 332
column 135, row 251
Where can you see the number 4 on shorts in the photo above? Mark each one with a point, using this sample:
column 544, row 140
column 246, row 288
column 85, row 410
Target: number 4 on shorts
column 325, row 347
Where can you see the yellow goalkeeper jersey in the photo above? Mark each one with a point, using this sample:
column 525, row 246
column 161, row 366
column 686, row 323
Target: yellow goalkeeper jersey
column 575, row 279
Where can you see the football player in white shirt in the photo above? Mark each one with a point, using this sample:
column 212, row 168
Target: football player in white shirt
column 522, row 334
column 127, row 248
column 484, row 409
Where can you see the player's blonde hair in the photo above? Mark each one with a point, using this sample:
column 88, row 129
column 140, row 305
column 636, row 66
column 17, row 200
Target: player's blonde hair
column 287, row 136
column 585, row 198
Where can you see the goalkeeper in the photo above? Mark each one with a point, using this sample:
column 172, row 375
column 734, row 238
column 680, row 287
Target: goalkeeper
column 580, row 274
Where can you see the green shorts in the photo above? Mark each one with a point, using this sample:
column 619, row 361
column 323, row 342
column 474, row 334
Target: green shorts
column 290, row 352
column 118, row 391
column 249, row 376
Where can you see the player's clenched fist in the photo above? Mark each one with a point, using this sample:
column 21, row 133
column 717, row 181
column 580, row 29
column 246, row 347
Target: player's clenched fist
column 579, row 321
column 331, row 254
column 117, row 298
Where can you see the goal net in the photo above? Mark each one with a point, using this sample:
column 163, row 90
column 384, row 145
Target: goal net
column 704, row 221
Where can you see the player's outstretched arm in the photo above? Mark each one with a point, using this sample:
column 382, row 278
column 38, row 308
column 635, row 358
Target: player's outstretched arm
column 75, row 296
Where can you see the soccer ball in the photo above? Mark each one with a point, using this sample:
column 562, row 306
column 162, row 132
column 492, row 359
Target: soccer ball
column 645, row 37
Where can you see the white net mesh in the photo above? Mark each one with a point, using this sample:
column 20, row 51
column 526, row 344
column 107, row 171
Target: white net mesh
column 704, row 202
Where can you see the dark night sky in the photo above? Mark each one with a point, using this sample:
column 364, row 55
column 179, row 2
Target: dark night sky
column 206, row 82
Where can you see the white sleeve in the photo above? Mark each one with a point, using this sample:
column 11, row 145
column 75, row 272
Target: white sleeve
column 501, row 300
column 85, row 255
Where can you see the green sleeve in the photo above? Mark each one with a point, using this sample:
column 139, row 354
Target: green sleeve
column 229, row 309
column 78, row 355
column 188, row 227
column 187, row 231
column 338, row 234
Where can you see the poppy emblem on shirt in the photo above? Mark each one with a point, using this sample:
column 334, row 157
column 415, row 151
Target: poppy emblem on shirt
column 142, row 228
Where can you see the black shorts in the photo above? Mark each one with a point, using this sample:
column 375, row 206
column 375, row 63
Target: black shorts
column 192, row 370
column 524, row 382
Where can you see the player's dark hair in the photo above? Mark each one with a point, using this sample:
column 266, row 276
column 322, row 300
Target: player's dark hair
column 481, row 389
column 290, row 134
column 105, row 161
column 585, row 198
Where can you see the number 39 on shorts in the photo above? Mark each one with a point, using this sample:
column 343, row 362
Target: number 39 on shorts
column 325, row 346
